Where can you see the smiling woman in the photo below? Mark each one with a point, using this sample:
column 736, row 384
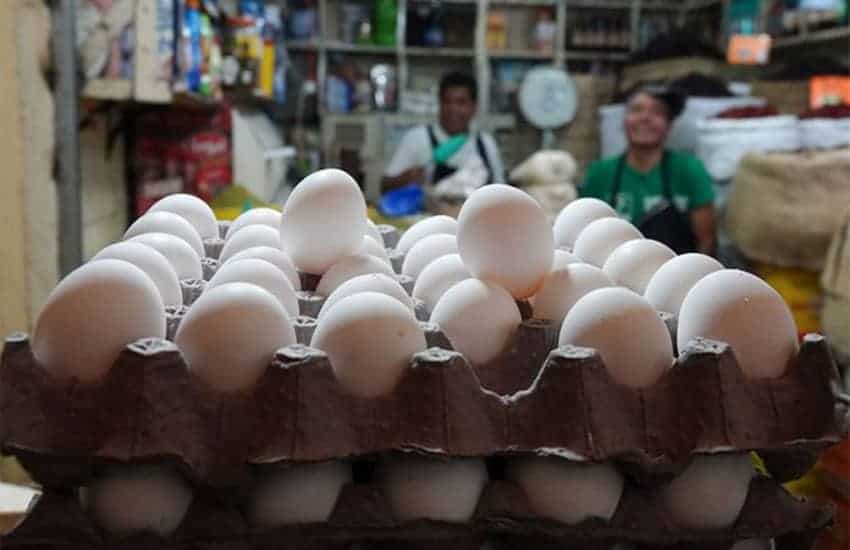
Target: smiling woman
column 667, row 194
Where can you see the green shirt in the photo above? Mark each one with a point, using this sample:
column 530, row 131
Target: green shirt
column 690, row 185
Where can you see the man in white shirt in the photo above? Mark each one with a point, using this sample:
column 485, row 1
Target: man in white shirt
column 454, row 143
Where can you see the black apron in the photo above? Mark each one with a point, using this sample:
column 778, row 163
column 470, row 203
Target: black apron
column 663, row 222
column 443, row 170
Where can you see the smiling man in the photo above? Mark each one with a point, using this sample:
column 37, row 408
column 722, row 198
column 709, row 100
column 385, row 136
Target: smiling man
column 430, row 153
column 667, row 194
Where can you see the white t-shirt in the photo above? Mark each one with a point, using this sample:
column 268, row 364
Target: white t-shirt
column 415, row 149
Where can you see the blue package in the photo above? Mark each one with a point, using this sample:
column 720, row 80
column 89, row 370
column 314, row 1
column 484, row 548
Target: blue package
column 403, row 201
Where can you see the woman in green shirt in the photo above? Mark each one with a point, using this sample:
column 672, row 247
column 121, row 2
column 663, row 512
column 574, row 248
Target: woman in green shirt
column 666, row 194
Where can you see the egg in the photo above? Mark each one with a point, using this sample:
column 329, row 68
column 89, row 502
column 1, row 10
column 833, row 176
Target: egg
column 599, row 239
column 426, row 251
column 154, row 264
column 628, row 333
column 138, row 498
column 563, row 287
column 85, row 324
column 324, row 220
column 369, row 338
column 633, row 263
column 255, row 216
column 437, row 277
column 478, row 318
column 669, row 285
column 261, row 273
column 738, row 308
column 503, row 237
column 576, row 216
column 372, row 247
column 373, row 231
column 753, row 544
column 298, row 493
column 276, row 257
column 711, row 492
column 196, row 212
column 230, row 335
column 249, row 237
column 566, row 491
column 434, row 225
column 349, row 267
column 180, row 255
column 438, row 489
column 372, row 282
column 167, row 222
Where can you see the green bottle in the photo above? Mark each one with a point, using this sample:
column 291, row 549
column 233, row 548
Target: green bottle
column 386, row 13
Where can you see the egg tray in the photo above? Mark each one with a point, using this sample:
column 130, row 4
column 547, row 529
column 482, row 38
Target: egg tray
column 149, row 405
column 215, row 521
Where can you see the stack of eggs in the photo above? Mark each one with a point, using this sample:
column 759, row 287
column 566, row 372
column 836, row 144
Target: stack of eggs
column 593, row 275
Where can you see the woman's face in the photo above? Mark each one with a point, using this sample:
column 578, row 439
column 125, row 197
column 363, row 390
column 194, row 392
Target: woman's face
column 646, row 121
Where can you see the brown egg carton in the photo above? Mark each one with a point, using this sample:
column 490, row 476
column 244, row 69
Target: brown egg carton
column 503, row 521
column 150, row 406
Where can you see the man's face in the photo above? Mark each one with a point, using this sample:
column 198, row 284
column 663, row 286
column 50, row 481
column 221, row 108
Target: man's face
column 456, row 109
column 646, row 122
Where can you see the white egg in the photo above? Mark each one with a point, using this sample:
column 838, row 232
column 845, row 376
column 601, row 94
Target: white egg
column 249, row 237
column 153, row 263
column 371, row 282
column 231, row 333
column 373, row 231
column 434, row 225
column 374, row 248
column 563, row 258
column 740, row 309
column 261, row 273
column 370, row 339
column 167, row 222
column 503, row 237
column 628, row 333
column 633, row 263
column 298, row 493
column 576, row 216
column 753, row 544
column 599, row 239
column 196, row 212
column 349, row 267
column 92, row 314
column 439, row 276
column 711, row 492
column 324, row 220
column 568, row 492
column 138, row 498
column 670, row 284
column 276, row 257
column 419, row 487
column 254, row 216
column 180, row 255
column 478, row 318
column 563, row 287
column 426, row 251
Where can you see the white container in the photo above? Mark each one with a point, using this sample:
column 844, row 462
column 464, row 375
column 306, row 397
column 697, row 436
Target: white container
column 724, row 142
column 824, row 133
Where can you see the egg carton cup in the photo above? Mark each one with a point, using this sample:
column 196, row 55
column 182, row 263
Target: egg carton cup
column 208, row 267
column 213, row 246
column 503, row 520
column 390, row 234
column 149, row 405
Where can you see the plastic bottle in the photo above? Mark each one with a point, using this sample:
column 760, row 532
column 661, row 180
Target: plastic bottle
column 386, row 13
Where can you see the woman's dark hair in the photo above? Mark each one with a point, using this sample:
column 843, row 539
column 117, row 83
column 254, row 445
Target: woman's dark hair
column 459, row 80
column 672, row 99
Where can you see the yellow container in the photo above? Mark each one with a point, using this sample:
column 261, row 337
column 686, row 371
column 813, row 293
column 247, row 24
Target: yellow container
column 802, row 292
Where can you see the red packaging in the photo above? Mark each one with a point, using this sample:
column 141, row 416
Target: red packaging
column 181, row 150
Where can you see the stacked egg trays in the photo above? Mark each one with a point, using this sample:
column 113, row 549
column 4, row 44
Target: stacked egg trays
column 532, row 400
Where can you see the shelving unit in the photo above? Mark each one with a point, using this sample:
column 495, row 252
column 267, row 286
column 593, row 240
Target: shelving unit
column 814, row 37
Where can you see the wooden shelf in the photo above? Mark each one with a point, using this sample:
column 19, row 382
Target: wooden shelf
column 344, row 47
column 595, row 55
column 520, row 54
column 424, row 51
column 109, row 89
column 301, row 46
column 815, row 37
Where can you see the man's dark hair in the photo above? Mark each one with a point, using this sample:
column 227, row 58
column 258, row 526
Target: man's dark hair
column 673, row 100
column 459, row 80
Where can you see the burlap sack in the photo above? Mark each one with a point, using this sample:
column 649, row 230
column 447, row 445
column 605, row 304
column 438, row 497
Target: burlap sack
column 784, row 208
column 835, row 280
